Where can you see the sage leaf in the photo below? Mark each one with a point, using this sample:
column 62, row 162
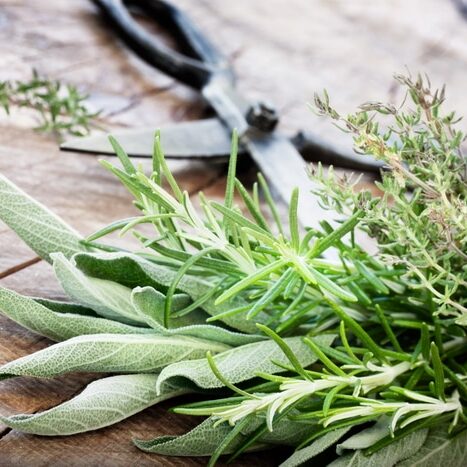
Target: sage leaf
column 109, row 353
column 367, row 437
column 132, row 270
column 106, row 298
column 57, row 326
column 201, row 441
column 149, row 301
column 65, row 307
column 102, row 403
column 206, row 437
column 243, row 363
column 388, row 456
column 38, row 227
column 440, row 449
column 317, row 447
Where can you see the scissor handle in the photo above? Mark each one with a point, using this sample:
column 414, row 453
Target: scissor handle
column 193, row 71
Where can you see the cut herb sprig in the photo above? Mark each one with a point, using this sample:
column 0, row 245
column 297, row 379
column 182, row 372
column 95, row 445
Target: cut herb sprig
column 60, row 108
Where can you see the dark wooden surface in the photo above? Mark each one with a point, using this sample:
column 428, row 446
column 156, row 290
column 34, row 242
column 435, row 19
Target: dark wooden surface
column 282, row 50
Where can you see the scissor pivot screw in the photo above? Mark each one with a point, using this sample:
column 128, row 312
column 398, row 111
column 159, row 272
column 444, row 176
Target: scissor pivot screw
column 262, row 116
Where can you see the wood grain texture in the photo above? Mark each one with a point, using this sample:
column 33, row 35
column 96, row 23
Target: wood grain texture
column 282, row 50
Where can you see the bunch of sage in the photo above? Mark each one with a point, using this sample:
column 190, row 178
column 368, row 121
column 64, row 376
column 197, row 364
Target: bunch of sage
column 360, row 360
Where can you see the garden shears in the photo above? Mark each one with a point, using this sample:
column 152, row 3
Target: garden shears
column 206, row 70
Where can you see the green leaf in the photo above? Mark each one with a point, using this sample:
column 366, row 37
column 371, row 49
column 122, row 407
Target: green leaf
column 38, row 227
column 372, row 278
column 231, row 439
column 293, row 220
column 438, row 371
column 230, row 183
column 204, row 439
column 366, row 437
column 201, row 441
column 243, row 363
column 122, row 156
column 132, row 271
column 55, row 325
column 462, row 319
column 102, row 403
column 253, row 209
column 239, row 219
column 270, row 202
column 162, row 164
column 321, row 444
column 65, row 307
column 149, row 301
column 106, row 298
column 387, row 457
column 108, row 229
column 249, row 280
column 440, row 450
column 110, row 353
column 327, row 284
column 324, row 243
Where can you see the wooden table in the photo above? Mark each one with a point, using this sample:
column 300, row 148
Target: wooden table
column 283, row 50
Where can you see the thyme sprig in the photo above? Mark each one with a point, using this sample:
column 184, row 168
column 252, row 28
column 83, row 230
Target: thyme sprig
column 60, row 108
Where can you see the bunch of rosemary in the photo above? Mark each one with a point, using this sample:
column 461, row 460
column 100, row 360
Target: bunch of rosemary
column 360, row 361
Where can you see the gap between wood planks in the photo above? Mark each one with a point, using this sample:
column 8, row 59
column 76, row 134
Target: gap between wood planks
column 5, row 432
column 19, row 267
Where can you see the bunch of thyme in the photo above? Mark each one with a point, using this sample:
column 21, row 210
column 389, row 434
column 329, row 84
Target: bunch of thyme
column 421, row 219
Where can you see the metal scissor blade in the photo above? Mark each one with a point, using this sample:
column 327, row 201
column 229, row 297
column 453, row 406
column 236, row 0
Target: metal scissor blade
column 207, row 138
column 285, row 170
column 210, row 139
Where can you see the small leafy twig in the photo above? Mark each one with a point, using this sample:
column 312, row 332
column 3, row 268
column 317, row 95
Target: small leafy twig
column 59, row 107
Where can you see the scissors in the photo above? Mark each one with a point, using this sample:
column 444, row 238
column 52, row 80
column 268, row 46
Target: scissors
column 203, row 68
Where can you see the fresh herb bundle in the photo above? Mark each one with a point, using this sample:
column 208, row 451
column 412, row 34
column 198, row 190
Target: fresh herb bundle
column 358, row 361
column 59, row 107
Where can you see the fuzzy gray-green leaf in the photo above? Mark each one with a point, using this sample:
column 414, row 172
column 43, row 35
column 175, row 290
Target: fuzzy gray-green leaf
column 440, row 450
column 102, row 403
column 42, row 230
column 317, row 447
column 107, row 298
column 146, row 298
column 55, row 325
column 243, row 363
column 367, row 437
column 109, row 353
column 206, row 437
column 150, row 304
column 388, row 456
column 132, row 271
